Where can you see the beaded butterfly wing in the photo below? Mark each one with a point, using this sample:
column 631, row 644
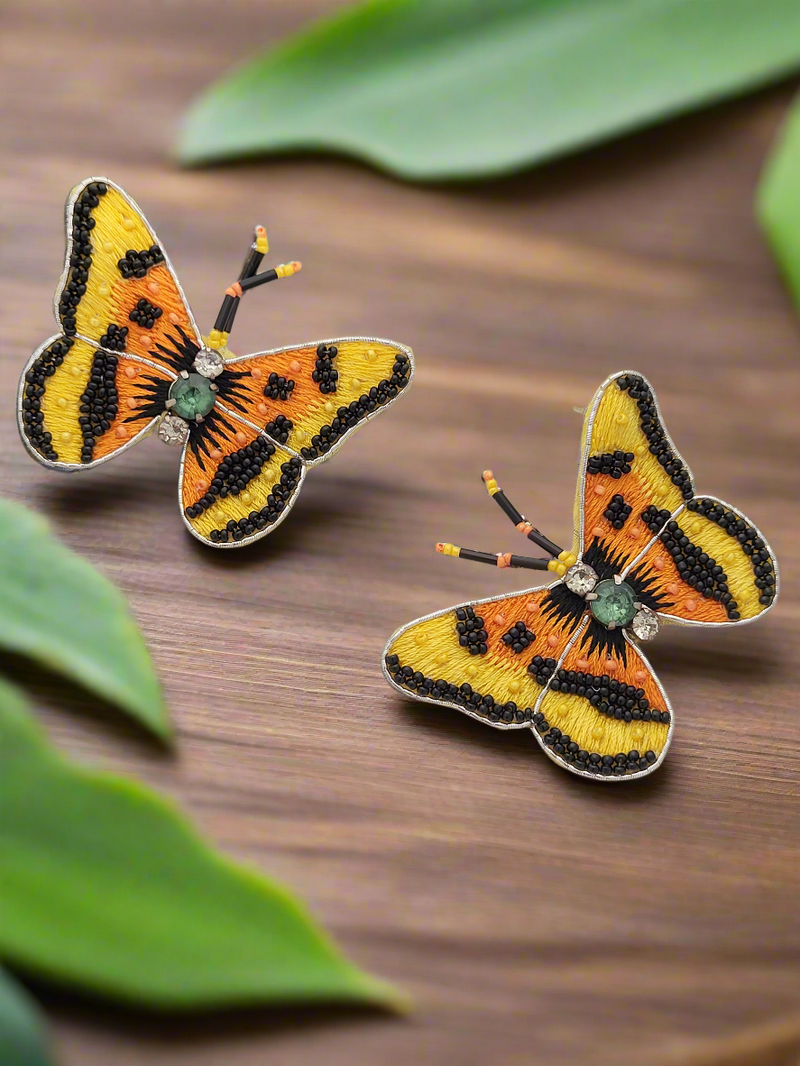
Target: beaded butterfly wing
column 565, row 659
column 129, row 359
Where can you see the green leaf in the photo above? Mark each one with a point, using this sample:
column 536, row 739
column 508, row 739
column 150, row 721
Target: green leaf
column 104, row 885
column 778, row 201
column 56, row 608
column 22, row 1041
column 436, row 89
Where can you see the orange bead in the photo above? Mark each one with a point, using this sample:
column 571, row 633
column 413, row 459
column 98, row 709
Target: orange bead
column 132, row 403
column 552, row 641
column 295, row 365
column 131, row 371
column 241, row 437
column 691, row 605
column 122, row 432
column 658, row 563
column 599, row 490
column 257, row 373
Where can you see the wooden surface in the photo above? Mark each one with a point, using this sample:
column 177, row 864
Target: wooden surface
column 533, row 918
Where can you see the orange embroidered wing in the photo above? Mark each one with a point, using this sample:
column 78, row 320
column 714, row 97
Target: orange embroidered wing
column 78, row 404
column 118, row 287
column 629, row 469
column 236, row 484
column 604, row 712
column 91, row 391
column 708, row 565
column 310, row 397
column 692, row 558
column 490, row 659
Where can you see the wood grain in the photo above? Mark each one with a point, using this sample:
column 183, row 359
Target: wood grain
column 533, row 918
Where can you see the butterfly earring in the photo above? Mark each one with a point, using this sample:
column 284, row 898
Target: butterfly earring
column 129, row 359
column 564, row 660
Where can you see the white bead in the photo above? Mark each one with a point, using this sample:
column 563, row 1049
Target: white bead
column 645, row 624
column 580, row 578
column 209, row 363
column 173, row 430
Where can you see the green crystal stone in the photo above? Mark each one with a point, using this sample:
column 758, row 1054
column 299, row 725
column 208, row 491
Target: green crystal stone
column 193, row 397
column 614, row 603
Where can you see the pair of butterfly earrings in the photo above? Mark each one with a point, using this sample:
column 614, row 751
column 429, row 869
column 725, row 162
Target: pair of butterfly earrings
column 562, row 660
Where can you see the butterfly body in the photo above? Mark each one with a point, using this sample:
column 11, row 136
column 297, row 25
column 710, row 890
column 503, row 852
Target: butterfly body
column 130, row 360
column 565, row 659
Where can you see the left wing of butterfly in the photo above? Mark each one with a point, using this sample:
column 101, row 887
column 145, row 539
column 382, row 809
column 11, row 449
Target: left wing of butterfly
column 277, row 413
column 87, row 393
column 516, row 662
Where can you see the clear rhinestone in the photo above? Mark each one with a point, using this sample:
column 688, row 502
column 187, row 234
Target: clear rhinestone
column 645, row 624
column 173, row 430
column 580, row 578
column 209, row 363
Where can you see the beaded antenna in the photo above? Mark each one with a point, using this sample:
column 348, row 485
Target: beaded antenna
column 129, row 359
column 564, row 660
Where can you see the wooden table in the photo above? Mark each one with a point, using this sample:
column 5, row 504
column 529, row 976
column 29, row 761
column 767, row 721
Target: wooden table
column 533, row 919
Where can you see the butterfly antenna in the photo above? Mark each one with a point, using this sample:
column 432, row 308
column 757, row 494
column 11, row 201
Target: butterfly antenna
column 248, row 279
column 502, row 559
column 519, row 520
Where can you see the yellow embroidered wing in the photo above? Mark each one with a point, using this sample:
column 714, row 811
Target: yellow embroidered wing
column 278, row 413
column 694, row 558
column 236, row 484
column 311, row 397
column 490, row 659
column 90, row 391
column 604, row 713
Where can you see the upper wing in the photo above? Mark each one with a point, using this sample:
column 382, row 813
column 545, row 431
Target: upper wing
column 89, row 392
column 693, row 559
column 118, row 287
column 629, row 466
column 310, row 397
column 489, row 659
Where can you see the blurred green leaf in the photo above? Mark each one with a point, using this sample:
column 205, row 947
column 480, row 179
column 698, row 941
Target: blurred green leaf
column 56, row 608
column 778, row 200
column 436, row 89
column 104, row 885
column 22, row 1041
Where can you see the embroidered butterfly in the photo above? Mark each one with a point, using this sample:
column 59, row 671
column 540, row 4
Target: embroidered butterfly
column 129, row 359
column 564, row 660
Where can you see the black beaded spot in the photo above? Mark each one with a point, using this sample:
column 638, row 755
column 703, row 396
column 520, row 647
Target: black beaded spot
column 470, row 630
column 654, row 432
column 277, row 387
column 115, row 338
column 233, row 474
column 541, row 669
column 348, row 417
column 618, row 511
column 43, row 366
column 136, row 264
column 99, row 402
column 752, row 545
column 145, row 314
column 280, row 428
column 80, row 258
column 615, row 464
column 519, row 637
column 277, row 501
column 463, row 696
column 324, row 373
column 696, row 568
